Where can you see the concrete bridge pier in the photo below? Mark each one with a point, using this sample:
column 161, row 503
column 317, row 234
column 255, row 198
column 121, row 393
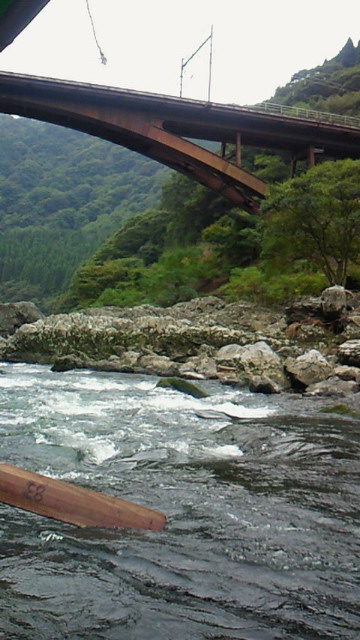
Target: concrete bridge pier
column 234, row 155
column 308, row 154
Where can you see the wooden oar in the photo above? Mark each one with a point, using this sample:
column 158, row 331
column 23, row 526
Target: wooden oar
column 72, row 504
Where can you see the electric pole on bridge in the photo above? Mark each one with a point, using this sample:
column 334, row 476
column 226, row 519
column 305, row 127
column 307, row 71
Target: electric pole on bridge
column 185, row 62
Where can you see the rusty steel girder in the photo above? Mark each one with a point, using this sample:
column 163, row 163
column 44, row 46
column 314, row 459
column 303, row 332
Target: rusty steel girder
column 107, row 113
column 164, row 128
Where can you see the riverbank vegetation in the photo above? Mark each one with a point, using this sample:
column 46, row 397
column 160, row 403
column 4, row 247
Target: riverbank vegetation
column 61, row 194
column 86, row 223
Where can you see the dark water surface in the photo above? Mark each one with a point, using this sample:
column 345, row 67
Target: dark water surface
column 262, row 538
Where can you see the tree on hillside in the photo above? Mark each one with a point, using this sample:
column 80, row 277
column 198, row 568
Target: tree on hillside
column 348, row 54
column 192, row 208
column 316, row 217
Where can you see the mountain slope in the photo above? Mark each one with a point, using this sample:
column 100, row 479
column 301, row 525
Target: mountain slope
column 226, row 238
column 61, row 194
column 66, row 198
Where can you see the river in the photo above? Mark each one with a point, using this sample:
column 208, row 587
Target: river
column 262, row 537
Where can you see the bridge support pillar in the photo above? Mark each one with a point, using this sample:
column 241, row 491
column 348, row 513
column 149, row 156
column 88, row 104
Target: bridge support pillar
column 311, row 156
column 238, row 149
column 232, row 155
column 293, row 166
column 307, row 154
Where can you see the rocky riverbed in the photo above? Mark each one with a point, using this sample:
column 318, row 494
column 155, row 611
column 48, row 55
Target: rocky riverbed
column 312, row 347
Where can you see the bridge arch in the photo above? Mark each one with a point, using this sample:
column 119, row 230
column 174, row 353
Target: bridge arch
column 161, row 127
column 122, row 117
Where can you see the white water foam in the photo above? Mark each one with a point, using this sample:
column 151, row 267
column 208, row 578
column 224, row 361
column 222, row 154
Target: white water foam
column 224, row 451
column 91, row 384
column 9, row 382
column 69, row 404
column 66, row 475
column 166, row 400
column 16, row 420
column 239, row 411
column 102, row 449
column 98, row 449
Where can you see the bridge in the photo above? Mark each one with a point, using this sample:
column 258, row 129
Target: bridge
column 15, row 15
column 165, row 128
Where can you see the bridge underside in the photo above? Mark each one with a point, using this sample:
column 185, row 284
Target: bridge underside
column 141, row 130
column 161, row 128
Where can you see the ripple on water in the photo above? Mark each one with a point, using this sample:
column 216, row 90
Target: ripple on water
column 262, row 535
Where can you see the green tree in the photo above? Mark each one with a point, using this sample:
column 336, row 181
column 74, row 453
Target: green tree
column 234, row 239
column 192, row 207
column 316, row 217
column 92, row 279
column 143, row 235
column 175, row 277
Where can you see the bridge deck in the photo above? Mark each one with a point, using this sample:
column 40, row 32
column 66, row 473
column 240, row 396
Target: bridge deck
column 160, row 127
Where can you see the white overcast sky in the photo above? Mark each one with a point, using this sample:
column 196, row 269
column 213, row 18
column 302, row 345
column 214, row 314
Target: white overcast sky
column 257, row 44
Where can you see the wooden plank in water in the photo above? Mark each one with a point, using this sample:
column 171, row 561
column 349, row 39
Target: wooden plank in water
column 72, row 504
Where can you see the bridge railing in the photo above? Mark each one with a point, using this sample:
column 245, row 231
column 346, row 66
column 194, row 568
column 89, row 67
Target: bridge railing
column 308, row 114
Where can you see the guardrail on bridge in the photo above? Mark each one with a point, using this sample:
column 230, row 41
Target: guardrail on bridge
column 308, row 114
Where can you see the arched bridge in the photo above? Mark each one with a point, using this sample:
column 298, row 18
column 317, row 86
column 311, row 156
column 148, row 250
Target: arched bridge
column 163, row 127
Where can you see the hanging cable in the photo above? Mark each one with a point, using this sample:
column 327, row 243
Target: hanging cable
column 102, row 56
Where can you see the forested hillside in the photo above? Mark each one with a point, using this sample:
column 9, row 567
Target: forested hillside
column 143, row 234
column 196, row 242
column 61, row 194
column 332, row 87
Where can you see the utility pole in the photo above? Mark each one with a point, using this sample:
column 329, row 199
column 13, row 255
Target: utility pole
column 185, row 62
column 210, row 61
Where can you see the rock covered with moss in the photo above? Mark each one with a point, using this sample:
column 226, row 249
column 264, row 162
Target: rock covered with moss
column 98, row 336
column 238, row 343
column 15, row 314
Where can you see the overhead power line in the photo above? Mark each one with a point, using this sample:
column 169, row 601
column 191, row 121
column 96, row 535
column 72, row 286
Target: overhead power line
column 102, row 56
column 185, row 62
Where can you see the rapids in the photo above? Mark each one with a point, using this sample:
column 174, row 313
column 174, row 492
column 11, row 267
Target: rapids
column 261, row 495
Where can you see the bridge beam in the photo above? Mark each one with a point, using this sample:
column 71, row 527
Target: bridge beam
column 130, row 125
column 145, row 133
column 160, row 127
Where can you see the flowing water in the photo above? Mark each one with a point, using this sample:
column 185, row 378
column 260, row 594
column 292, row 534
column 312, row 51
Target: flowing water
column 262, row 537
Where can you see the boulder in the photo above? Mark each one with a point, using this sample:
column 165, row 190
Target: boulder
column 15, row 314
column 113, row 364
column 333, row 386
column 349, row 352
column 344, row 372
column 300, row 310
column 201, row 366
column 195, row 308
column 183, row 386
column 351, row 329
column 345, row 409
column 263, row 384
column 239, row 344
column 309, row 368
column 229, row 354
column 128, row 360
column 99, row 337
column 68, row 362
column 158, row 365
column 333, row 302
column 309, row 331
column 258, row 362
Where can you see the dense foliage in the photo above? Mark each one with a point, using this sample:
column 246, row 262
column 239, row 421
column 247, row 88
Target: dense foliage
column 205, row 245
column 333, row 87
column 61, row 194
column 64, row 195
column 316, row 217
